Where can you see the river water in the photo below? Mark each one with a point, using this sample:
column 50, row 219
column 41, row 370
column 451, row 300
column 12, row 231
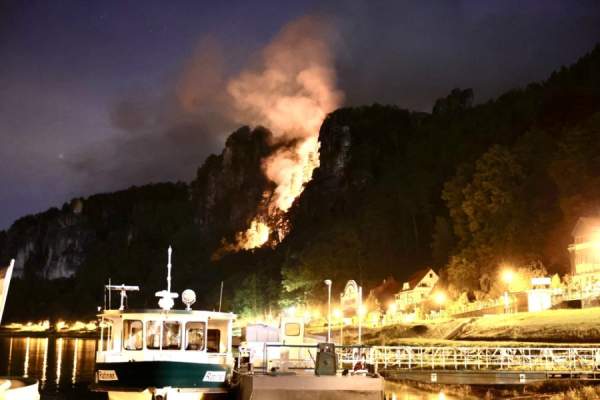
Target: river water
column 65, row 368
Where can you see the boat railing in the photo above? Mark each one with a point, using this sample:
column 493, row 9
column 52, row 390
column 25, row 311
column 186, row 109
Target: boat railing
column 285, row 357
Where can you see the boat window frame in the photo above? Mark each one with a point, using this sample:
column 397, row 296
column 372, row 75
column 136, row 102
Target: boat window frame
column 204, row 335
column 123, row 335
column 106, row 336
column 162, row 336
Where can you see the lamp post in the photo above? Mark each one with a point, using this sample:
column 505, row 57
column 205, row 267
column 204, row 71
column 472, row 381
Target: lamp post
column 360, row 314
column 392, row 309
column 507, row 277
column 328, row 283
column 338, row 314
column 440, row 298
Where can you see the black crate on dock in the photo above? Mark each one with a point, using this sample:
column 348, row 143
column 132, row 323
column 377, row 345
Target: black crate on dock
column 326, row 362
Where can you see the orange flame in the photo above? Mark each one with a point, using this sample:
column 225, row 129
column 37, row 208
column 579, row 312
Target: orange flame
column 291, row 93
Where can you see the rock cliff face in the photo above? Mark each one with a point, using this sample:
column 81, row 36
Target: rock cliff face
column 230, row 187
column 226, row 194
column 50, row 245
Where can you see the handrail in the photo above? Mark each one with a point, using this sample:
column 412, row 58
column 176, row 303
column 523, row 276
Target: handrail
column 527, row 358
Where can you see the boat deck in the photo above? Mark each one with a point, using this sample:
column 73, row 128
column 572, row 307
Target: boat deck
column 306, row 385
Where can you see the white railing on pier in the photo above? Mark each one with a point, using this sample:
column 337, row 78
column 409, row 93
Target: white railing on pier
column 564, row 359
column 490, row 358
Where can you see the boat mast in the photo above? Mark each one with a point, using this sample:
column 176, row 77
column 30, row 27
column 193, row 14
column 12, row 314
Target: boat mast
column 166, row 296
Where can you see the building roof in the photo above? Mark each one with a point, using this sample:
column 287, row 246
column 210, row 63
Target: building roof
column 386, row 290
column 417, row 277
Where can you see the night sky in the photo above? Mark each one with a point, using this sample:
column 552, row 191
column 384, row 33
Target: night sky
column 91, row 91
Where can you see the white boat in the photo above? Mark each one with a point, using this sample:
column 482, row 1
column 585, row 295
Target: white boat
column 163, row 353
column 13, row 388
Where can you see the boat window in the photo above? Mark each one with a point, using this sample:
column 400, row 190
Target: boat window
column 153, row 335
column 132, row 334
column 213, row 340
column 292, row 329
column 171, row 335
column 106, row 337
column 194, row 335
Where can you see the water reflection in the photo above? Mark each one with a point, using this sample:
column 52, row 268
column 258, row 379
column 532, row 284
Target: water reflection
column 59, row 346
column 65, row 367
column 395, row 391
column 45, row 363
column 60, row 364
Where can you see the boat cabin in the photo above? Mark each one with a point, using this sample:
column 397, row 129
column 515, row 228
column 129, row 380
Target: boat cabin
column 176, row 335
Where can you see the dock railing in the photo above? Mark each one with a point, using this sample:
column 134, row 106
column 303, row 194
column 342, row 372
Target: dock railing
column 565, row 359
column 573, row 360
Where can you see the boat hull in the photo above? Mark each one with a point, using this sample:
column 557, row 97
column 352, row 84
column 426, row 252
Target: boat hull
column 140, row 375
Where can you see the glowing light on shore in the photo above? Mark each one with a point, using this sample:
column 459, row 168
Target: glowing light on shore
column 362, row 310
column 440, row 298
column 337, row 313
column 507, row 276
column 392, row 308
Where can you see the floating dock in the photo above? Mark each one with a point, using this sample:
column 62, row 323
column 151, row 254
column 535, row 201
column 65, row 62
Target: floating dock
column 306, row 385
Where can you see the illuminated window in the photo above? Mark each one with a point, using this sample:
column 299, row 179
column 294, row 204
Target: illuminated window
column 153, row 335
column 132, row 335
column 292, row 329
column 213, row 340
column 107, row 342
column 194, row 335
column 171, row 335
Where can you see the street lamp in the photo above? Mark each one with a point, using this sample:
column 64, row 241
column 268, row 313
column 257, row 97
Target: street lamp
column 392, row 309
column 507, row 277
column 440, row 298
column 328, row 283
column 338, row 314
column 361, row 311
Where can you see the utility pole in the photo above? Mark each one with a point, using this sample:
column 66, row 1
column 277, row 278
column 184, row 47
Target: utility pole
column 221, row 296
column 328, row 283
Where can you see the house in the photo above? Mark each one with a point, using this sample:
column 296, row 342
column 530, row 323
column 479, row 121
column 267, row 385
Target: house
column 383, row 294
column 585, row 253
column 539, row 297
column 417, row 289
column 350, row 298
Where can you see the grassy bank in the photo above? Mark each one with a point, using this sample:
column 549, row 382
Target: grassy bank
column 570, row 327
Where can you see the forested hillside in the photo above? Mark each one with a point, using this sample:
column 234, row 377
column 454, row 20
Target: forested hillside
column 461, row 189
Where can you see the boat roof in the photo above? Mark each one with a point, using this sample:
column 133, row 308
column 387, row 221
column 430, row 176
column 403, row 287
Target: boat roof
column 161, row 312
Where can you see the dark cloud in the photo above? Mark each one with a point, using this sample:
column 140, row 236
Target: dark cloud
column 410, row 53
column 100, row 96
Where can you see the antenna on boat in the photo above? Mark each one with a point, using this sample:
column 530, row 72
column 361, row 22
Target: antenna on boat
column 123, row 289
column 166, row 296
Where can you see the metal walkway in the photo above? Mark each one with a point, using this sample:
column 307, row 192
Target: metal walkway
column 456, row 364
column 563, row 359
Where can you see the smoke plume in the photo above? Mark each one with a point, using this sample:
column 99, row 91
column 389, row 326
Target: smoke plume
column 290, row 92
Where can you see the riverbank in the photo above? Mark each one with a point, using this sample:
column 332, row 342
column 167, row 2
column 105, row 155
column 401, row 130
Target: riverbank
column 571, row 326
